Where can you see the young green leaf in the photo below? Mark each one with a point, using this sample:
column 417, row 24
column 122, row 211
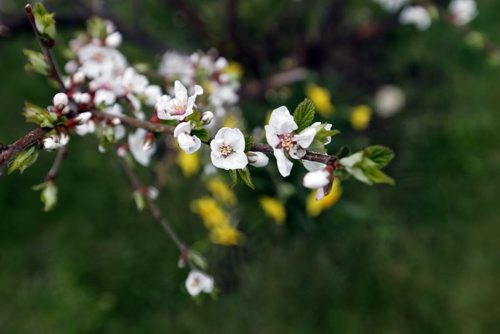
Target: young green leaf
column 304, row 114
column 38, row 115
column 244, row 175
column 36, row 62
column 96, row 28
column 23, row 160
column 380, row 155
column 44, row 21
column 202, row 134
column 248, row 143
column 49, row 196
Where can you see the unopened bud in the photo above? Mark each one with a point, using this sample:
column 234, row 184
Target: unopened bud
column 78, row 77
column 114, row 40
column 207, row 117
column 317, row 179
column 60, row 100
column 257, row 159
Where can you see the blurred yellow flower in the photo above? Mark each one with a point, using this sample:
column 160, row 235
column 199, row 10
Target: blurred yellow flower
column 273, row 209
column 360, row 117
column 211, row 213
column 321, row 98
column 221, row 191
column 226, row 235
column 315, row 207
column 234, row 69
column 189, row 163
column 231, row 121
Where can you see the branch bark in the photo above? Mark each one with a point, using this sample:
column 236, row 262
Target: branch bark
column 21, row 144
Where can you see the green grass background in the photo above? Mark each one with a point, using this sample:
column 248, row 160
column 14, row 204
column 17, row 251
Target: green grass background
column 420, row 257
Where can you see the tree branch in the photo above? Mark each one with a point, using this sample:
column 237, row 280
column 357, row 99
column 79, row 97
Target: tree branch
column 155, row 212
column 54, row 170
column 28, row 140
column 46, row 45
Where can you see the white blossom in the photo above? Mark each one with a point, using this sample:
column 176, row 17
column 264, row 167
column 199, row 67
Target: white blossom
column 280, row 135
column 198, row 282
column 316, row 180
column 207, row 117
column 114, row 40
column 257, row 159
column 180, row 106
column 136, row 145
column 389, row 99
column 463, row 11
column 175, row 65
column 187, row 142
column 228, row 149
column 104, row 96
column 152, row 93
column 391, row 5
column 416, row 15
column 55, row 141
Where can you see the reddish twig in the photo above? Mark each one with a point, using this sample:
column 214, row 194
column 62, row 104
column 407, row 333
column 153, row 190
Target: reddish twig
column 54, row 170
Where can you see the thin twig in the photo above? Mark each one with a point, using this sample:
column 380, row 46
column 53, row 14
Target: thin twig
column 28, row 140
column 54, row 170
column 45, row 44
column 155, row 212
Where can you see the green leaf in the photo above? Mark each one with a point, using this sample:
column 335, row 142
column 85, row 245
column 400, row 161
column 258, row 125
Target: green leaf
column 36, row 62
column 38, row 115
column 23, row 160
column 376, row 175
column 49, row 196
column 343, row 152
column 380, row 155
column 140, row 201
column 198, row 259
column 96, row 28
column 44, row 21
column 317, row 146
column 244, row 175
column 248, row 143
column 304, row 114
column 234, row 176
column 202, row 134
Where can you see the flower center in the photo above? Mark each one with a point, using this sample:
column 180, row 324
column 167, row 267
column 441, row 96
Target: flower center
column 286, row 141
column 179, row 107
column 225, row 150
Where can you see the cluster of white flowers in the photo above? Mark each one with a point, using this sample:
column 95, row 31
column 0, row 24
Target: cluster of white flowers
column 463, row 11
column 211, row 72
column 416, row 15
column 392, row 5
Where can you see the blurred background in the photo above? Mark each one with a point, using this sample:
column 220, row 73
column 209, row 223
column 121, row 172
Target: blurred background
column 422, row 256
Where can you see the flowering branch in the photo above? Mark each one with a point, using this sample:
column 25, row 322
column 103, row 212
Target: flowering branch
column 46, row 44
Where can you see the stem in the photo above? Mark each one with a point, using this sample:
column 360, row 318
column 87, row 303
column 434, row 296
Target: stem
column 153, row 208
column 45, row 44
column 54, row 170
column 21, row 144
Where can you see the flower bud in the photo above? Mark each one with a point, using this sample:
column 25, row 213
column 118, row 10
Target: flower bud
column 153, row 192
column 257, row 159
column 84, row 117
column 83, row 98
column 114, row 39
column 78, row 77
column 60, row 100
column 207, row 117
column 316, row 180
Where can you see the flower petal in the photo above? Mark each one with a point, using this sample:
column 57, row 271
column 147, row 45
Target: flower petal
column 284, row 165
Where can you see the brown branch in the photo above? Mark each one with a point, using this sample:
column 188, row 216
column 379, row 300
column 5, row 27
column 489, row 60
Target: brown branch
column 45, row 44
column 54, row 170
column 155, row 211
column 21, row 144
